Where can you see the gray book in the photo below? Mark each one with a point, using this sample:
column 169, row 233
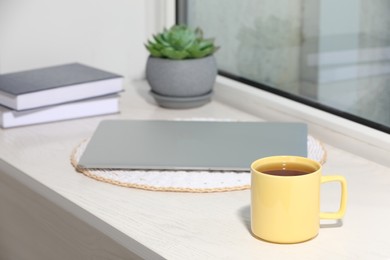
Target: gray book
column 55, row 85
column 190, row 145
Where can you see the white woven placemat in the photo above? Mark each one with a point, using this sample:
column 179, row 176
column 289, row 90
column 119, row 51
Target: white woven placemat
column 181, row 181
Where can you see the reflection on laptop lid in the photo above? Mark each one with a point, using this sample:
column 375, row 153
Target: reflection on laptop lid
column 190, row 145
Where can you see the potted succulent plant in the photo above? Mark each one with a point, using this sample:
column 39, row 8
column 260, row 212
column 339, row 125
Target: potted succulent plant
column 181, row 68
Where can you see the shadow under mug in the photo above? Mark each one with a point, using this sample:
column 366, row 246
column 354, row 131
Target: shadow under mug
column 285, row 198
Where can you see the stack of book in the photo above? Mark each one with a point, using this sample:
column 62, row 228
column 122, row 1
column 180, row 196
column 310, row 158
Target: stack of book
column 57, row 93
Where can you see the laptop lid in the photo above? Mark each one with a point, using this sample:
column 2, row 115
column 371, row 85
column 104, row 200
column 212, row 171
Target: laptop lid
column 190, row 145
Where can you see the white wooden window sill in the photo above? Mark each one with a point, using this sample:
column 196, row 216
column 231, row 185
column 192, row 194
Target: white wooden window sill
column 49, row 211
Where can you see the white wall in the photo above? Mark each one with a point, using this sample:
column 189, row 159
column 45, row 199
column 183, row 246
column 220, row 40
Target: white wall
column 106, row 34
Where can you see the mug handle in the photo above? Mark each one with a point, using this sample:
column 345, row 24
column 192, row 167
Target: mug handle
column 343, row 203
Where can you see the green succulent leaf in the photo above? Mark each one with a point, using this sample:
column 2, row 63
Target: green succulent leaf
column 153, row 45
column 180, row 42
column 154, row 52
column 174, row 54
column 181, row 37
column 160, row 40
column 206, row 44
column 199, row 53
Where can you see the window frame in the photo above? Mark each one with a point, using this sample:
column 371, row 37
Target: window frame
column 180, row 17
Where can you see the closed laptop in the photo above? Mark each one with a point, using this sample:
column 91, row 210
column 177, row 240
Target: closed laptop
column 190, row 145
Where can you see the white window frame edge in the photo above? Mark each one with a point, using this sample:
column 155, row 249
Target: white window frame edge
column 159, row 15
column 331, row 129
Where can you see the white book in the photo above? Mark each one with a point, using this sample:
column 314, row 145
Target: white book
column 55, row 85
column 78, row 109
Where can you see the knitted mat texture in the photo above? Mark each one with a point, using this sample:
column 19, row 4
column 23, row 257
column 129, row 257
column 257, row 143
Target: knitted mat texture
column 181, row 181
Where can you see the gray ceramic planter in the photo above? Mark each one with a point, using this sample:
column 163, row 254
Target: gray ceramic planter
column 183, row 79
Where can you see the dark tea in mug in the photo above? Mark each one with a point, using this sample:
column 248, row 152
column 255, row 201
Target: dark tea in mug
column 286, row 169
column 286, row 172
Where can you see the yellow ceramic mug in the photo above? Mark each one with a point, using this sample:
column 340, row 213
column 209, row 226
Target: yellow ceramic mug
column 285, row 198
